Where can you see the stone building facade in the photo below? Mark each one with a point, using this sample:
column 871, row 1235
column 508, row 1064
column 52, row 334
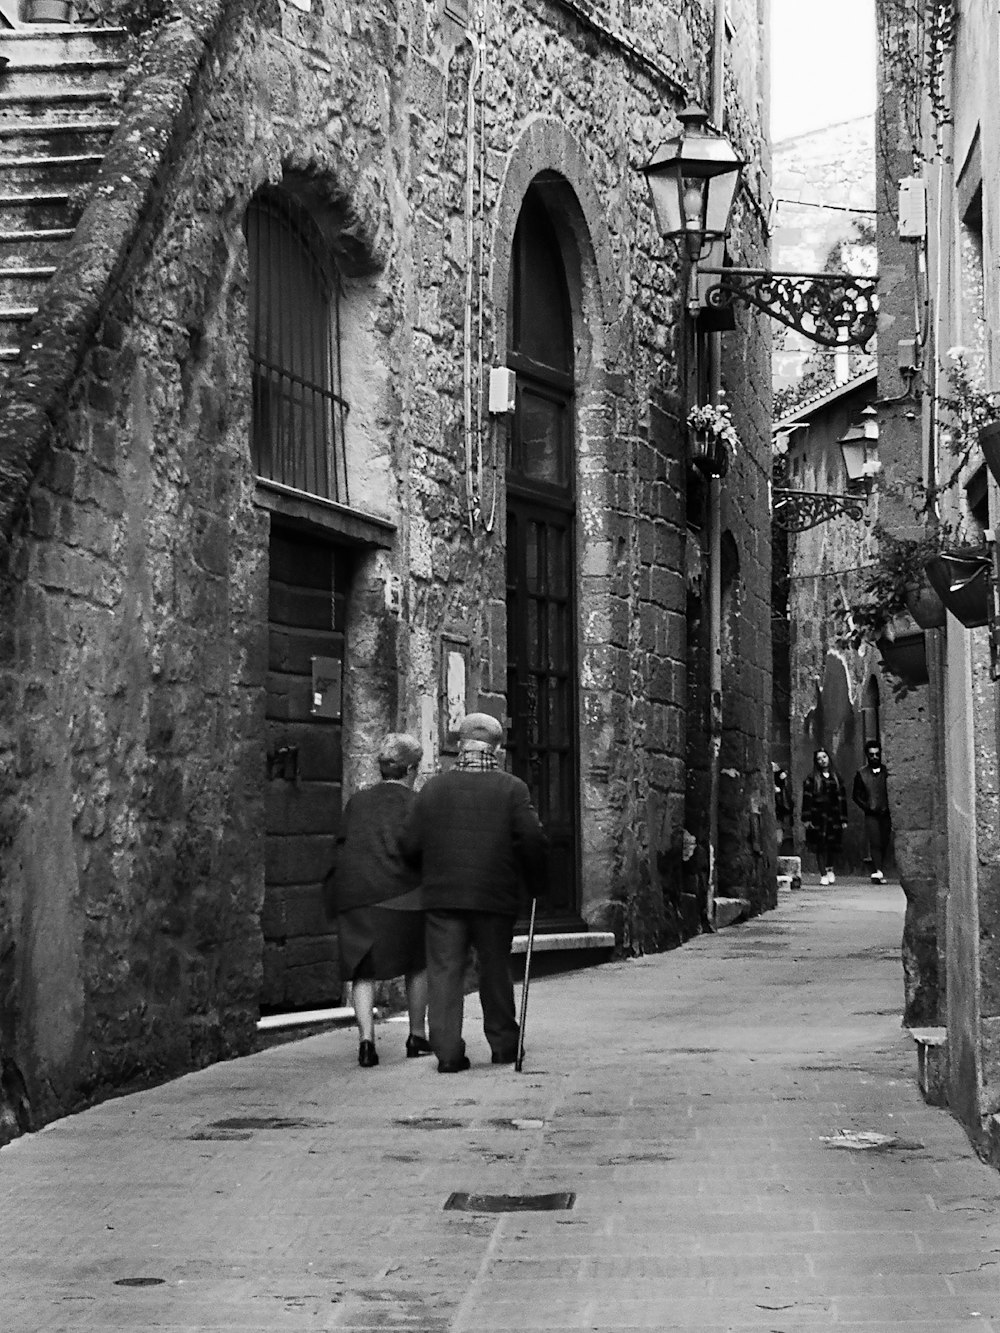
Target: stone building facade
column 257, row 510
column 938, row 130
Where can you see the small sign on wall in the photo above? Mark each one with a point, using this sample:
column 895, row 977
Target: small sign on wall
column 327, row 680
column 452, row 705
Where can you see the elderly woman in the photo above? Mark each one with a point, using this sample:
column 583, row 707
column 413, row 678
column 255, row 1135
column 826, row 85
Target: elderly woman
column 376, row 897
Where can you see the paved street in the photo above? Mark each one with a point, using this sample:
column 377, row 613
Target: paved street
column 700, row 1105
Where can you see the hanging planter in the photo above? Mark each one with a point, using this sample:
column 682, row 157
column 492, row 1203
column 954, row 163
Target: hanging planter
column 905, row 656
column 925, row 606
column 962, row 581
column 709, row 453
column 989, row 442
column 712, row 437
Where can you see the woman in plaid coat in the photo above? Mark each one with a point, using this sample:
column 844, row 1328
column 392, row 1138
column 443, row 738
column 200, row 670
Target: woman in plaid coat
column 824, row 812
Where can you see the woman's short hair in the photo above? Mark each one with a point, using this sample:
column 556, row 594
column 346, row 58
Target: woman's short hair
column 397, row 754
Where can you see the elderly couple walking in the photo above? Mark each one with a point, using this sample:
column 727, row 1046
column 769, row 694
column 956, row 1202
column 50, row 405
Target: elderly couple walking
column 419, row 877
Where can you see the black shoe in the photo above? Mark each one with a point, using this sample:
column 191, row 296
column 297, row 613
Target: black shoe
column 367, row 1055
column 417, row 1046
column 504, row 1058
column 454, row 1066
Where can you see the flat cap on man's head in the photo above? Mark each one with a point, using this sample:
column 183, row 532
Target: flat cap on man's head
column 480, row 727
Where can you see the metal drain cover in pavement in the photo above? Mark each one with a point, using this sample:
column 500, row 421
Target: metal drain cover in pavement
column 510, row 1203
column 140, row 1281
column 259, row 1122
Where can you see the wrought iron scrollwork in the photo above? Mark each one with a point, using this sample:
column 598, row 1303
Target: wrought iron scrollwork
column 798, row 511
column 833, row 309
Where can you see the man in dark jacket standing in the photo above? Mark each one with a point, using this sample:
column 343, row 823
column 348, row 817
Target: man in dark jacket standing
column 871, row 794
column 480, row 846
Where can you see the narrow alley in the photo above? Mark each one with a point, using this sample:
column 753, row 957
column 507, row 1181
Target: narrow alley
column 708, row 1118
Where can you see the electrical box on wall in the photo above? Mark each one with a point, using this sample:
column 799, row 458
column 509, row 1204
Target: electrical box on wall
column 503, row 389
column 912, row 209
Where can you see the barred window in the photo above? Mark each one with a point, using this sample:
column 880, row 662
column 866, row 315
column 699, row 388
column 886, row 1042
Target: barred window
column 297, row 435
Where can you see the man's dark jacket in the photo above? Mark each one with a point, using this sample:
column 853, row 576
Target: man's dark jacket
column 478, row 842
column 870, row 791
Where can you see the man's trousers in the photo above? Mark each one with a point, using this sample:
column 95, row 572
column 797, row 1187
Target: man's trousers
column 449, row 933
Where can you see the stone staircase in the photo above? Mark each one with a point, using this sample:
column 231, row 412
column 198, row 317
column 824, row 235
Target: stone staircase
column 58, row 107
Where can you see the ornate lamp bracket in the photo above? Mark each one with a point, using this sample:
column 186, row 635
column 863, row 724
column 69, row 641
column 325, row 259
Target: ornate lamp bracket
column 798, row 511
column 833, row 309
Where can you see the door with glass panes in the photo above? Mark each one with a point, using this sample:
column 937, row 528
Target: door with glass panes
column 541, row 549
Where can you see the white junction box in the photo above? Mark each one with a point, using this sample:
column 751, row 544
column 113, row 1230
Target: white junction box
column 912, row 208
column 503, row 389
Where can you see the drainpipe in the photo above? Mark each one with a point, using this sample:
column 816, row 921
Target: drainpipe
column 715, row 528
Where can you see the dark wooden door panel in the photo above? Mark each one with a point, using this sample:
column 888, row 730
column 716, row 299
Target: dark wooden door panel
column 308, row 588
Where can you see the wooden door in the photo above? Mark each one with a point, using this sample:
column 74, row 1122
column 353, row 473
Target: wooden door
column 308, row 587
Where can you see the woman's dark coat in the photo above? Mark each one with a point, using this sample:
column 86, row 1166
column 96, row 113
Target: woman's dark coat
column 824, row 810
column 368, row 867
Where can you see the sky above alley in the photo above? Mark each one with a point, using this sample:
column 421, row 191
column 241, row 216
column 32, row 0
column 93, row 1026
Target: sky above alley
column 822, row 63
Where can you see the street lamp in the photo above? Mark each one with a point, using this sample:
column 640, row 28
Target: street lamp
column 858, row 445
column 693, row 179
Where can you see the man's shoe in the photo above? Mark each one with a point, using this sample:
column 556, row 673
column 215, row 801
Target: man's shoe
column 454, row 1066
column 824, row 878
column 878, row 877
column 416, row 1046
column 367, row 1055
column 503, row 1058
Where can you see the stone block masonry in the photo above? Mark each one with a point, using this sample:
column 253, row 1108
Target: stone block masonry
column 135, row 642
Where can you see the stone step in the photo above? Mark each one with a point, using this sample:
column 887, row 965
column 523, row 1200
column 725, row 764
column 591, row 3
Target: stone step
column 81, row 105
column 40, row 44
column 21, row 285
column 728, row 911
column 35, row 212
column 32, row 248
column 564, row 941
column 55, row 139
column 36, row 80
column 932, row 1064
column 61, row 170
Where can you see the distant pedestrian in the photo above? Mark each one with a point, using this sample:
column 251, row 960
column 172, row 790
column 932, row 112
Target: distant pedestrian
column 824, row 812
column 871, row 794
column 481, row 848
column 375, row 895
column 784, row 805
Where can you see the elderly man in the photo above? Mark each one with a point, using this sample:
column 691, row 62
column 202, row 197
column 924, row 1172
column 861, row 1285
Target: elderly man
column 480, row 845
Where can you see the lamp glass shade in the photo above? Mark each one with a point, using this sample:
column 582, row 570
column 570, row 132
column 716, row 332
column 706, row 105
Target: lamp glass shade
column 854, row 448
column 693, row 180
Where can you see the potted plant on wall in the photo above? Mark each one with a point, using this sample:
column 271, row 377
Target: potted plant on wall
column 713, row 437
column 894, row 605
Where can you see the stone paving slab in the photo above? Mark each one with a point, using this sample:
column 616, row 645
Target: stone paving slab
column 697, row 1103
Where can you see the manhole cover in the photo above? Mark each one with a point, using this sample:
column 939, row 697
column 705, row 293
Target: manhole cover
column 223, row 1136
column 510, row 1203
column 140, row 1281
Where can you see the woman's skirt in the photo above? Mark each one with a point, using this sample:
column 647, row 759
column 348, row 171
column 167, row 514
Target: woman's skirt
column 377, row 943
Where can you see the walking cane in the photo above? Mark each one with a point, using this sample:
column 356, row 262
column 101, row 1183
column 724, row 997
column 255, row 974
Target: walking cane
column 524, row 989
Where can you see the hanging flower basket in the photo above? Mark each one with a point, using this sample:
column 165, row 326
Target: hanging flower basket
column 989, row 442
column 962, row 581
column 925, row 606
column 709, row 453
column 905, row 656
column 713, row 437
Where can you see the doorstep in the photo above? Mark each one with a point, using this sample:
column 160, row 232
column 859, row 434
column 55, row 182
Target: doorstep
column 932, row 1064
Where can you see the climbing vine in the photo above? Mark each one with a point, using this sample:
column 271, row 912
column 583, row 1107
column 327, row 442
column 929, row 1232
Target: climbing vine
column 916, row 39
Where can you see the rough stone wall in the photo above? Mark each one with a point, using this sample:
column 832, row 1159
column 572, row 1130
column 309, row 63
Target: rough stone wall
column 135, row 645
column 914, row 727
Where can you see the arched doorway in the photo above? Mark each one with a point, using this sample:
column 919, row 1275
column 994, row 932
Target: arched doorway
column 541, row 547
